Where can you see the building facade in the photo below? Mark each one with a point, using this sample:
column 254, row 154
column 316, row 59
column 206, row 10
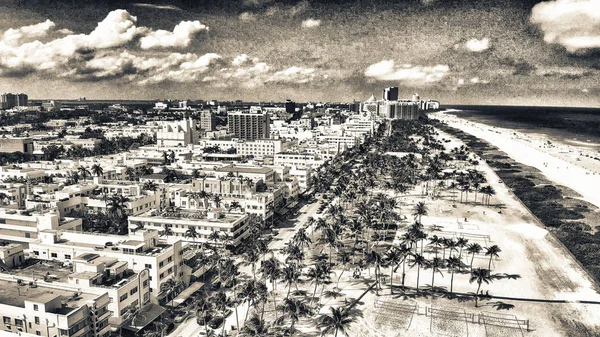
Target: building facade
column 249, row 125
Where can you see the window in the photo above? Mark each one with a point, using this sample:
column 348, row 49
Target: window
column 149, row 266
column 36, row 307
column 133, row 291
column 53, row 255
column 67, row 257
column 145, row 284
column 38, row 333
column 162, row 275
column 6, row 320
column 35, row 252
column 161, row 264
column 37, row 320
column 123, row 298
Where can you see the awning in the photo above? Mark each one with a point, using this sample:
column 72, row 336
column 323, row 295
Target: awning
column 186, row 294
column 201, row 271
column 145, row 316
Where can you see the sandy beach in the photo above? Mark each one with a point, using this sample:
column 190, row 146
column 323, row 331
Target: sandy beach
column 568, row 165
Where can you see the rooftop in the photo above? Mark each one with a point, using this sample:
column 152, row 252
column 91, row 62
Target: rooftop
column 197, row 216
column 243, row 169
column 13, row 294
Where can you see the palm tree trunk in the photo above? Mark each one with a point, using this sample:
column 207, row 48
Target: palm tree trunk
column 452, row 280
column 418, row 274
column 477, row 293
column 403, row 272
column 490, row 263
column 391, row 279
column 432, row 278
column 472, row 258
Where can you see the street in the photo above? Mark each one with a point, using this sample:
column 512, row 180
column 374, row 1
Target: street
column 191, row 328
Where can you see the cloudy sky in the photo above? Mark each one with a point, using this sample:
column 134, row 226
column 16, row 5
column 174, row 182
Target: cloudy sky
column 458, row 51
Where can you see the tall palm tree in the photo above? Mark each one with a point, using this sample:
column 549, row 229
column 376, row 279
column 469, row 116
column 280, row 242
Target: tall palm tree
column 97, row 170
column 480, row 275
column 294, row 309
column 204, row 196
column 319, row 274
column 436, row 264
column 191, row 233
column 221, row 302
column 453, row 264
column 375, row 259
column 290, row 274
column 255, row 327
column 337, row 321
column 393, row 258
column 436, row 242
column 251, row 257
column 171, row 287
column 420, row 210
column 302, row 238
column 271, row 270
column 167, row 230
column 419, row 261
column 215, row 236
column 83, row 172
column 150, row 186
column 492, row 251
column 461, row 243
column 473, row 248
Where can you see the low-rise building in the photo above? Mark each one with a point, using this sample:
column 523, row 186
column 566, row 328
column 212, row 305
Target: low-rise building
column 16, row 144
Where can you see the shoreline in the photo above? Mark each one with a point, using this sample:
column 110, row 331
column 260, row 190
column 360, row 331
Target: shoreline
column 557, row 162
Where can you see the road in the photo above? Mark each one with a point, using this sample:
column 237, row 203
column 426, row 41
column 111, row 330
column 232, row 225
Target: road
column 191, row 329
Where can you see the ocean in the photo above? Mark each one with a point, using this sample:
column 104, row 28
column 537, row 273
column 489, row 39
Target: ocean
column 574, row 126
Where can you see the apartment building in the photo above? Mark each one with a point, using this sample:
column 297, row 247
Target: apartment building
column 249, row 125
column 25, row 226
column 46, row 310
column 16, row 144
column 253, row 173
column 22, row 173
column 181, row 133
column 141, row 249
column 204, row 223
column 298, row 159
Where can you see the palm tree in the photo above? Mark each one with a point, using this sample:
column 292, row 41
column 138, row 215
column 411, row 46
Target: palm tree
column 453, row 264
column 473, row 248
column 220, row 302
column 83, row 172
column 204, row 196
column 393, row 258
column 170, row 287
column 250, row 257
column 436, row 242
column 235, row 205
column 492, row 251
column 290, row 274
column 167, row 231
column 191, row 233
column 420, row 210
column 337, row 321
column 420, row 261
column 130, row 173
column 302, row 238
column 271, row 270
column 150, row 186
column 435, row 266
column 215, row 236
column 97, row 170
column 294, row 309
column 461, row 243
column 255, row 327
column 480, row 275
column 217, row 200
column 117, row 205
column 319, row 274
column 376, row 259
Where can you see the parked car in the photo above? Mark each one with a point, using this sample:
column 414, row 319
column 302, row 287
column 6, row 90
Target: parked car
column 216, row 322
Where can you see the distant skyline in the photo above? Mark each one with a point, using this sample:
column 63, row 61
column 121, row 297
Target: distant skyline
column 457, row 51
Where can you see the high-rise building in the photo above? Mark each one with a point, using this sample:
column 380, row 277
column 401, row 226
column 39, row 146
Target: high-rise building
column 390, row 94
column 10, row 101
column 290, row 106
column 208, row 120
column 249, row 125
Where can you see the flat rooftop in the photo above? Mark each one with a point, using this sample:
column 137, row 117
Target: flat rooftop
column 243, row 169
column 15, row 295
column 196, row 216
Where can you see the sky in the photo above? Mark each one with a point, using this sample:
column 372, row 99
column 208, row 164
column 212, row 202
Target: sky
column 457, row 51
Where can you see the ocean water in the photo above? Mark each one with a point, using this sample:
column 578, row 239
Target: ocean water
column 574, row 126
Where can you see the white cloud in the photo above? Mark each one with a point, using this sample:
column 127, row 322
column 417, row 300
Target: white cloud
column 167, row 7
column 311, row 23
column 477, row 46
column 293, row 75
column 180, row 37
column 14, row 36
column 573, row 24
column 20, row 53
column 387, row 70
